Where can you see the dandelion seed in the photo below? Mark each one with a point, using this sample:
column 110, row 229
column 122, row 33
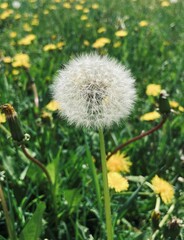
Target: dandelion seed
column 117, row 182
column 163, row 188
column 94, row 91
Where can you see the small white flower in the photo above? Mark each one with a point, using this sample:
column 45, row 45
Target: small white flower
column 94, row 91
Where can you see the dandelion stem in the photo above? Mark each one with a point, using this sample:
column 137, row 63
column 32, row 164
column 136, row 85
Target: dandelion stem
column 94, row 177
column 38, row 163
column 9, row 223
column 109, row 228
column 138, row 137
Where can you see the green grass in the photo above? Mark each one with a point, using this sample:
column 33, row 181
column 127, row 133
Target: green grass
column 154, row 55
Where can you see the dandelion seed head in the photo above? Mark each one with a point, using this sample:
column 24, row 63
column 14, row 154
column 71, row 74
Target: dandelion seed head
column 94, row 91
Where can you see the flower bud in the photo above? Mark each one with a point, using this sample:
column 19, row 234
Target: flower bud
column 155, row 218
column 13, row 122
column 172, row 230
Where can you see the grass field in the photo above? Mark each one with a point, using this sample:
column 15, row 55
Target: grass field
column 37, row 37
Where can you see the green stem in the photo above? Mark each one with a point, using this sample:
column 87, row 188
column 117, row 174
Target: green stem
column 94, row 177
column 9, row 223
column 164, row 220
column 109, row 228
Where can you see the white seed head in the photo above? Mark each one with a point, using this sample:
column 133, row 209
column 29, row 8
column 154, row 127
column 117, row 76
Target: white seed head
column 94, row 91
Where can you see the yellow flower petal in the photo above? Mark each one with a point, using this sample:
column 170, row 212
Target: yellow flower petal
column 117, row 182
column 174, row 104
column 7, row 59
column 121, row 33
column 150, row 116
column 119, row 163
column 153, row 90
column 101, row 30
column 163, row 188
column 101, row 42
column 165, row 4
column 52, row 106
column 2, row 118
column 49, row 47
column 143, row 23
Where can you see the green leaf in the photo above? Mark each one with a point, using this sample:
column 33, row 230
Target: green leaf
column 73, row 198
column 33, row 228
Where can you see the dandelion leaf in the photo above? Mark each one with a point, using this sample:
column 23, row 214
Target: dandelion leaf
column 33, row 228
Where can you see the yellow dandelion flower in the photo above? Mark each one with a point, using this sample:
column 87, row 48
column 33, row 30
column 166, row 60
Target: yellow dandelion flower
column 163, row 188
column 153, row 90
column 17, row 16
column 101, row 30
column 150, row 116
column 119, row 163
column 27, row 40
column 85, row 10
column 60, row 45
column 174, row 104
column 117, row 182
column 2, row 118
column 7, row 59
column 121, row 33
column 21, row 60
column 88, row 25
column 86, row 43
column 117, row 44
column 165, row 4
column 79, row 7
column 13, row 34
column 15, row 72
column 52, row 7
column 101, row 42
column 181, row 109
column 66, row 5
column 46, row 115
column 46, row 12
column 49, row 47
column 35, row 22
column 143, row 23
column 84, row 17
column 6, row 14
column 52, row 106
column 95, row 6
column 4, row 5
column 27, row 27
